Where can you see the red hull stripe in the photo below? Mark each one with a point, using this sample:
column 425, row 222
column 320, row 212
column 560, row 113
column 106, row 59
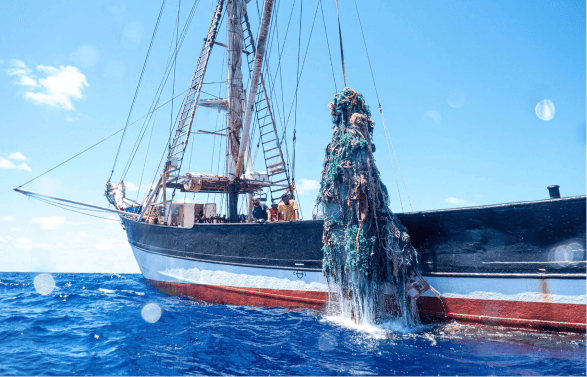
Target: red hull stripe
column 244, row 296
column 571, row 317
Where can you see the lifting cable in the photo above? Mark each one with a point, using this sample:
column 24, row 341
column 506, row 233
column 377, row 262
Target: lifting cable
column 138, row 87
column 340, row 39
column 301, row 70
column 328, row 45
column 387, row 136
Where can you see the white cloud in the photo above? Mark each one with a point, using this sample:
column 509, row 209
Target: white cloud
column 15, row 230
column 130, row 186
column 455, row 201
column 459, row 202
column 8, row 218
column 2, row 239
column 51, row 222
column 17, row 156
column 111, row 243
column 7, row 164
column 26, row 243
column 57, row 88
column 85, row 56
column 305, row 185
column 80, row 237
column 132, row 35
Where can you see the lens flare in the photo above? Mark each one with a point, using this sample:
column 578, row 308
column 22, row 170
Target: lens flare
column 544, row 109
column 327, row 342
column 44, row 284
column 456, row 99
column 151, row 313
column 432, row 118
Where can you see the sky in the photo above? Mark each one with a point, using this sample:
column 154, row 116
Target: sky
column 484, row 102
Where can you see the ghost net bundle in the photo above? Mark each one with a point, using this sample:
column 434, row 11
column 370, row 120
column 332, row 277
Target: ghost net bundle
column 369, row 261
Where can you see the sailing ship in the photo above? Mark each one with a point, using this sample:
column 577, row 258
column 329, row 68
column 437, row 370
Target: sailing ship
column 514, row 264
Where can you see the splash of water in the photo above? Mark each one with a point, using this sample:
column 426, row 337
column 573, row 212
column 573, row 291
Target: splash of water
column 369, row 262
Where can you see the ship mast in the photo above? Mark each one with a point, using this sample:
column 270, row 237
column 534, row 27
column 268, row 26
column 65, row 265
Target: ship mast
column 236, row 98
column 239, row 117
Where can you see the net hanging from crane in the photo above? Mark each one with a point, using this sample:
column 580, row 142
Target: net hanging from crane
column 369, row 262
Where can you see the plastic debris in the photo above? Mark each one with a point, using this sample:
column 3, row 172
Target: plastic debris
column 369, row 261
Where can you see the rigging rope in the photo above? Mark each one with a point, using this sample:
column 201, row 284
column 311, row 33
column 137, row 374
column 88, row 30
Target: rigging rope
column 387, row 136
column 163, row 83
column 72, row 210
column 100, row 142
column 293, row 161
column 174, row 65
column 146, row 155
column 138, row 87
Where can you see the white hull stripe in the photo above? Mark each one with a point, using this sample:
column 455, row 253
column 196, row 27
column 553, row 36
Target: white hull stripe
column 163, row 268
column 168, row 269
column 560, row 291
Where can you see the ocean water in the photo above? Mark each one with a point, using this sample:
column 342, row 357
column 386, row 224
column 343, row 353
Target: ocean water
column 102, row 324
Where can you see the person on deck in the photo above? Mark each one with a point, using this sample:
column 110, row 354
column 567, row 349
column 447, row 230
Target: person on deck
column 260, row 211
column 275, row 214
column 289, row 207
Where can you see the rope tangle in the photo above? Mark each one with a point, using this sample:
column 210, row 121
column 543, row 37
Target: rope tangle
column 369, row 261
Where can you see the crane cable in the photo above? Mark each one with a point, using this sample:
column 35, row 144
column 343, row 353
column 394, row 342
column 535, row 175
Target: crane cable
column 386, row 131
column 340, row 40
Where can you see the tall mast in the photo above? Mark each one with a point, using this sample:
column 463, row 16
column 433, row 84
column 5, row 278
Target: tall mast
column 254, row 82
column 236, row 97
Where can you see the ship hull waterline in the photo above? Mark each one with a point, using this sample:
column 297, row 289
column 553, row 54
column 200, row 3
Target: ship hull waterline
column 527, row 303
column 279, row 265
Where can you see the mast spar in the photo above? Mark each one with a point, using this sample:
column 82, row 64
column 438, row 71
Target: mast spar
column 238, row 148
column 239, row 117
column 236, row 97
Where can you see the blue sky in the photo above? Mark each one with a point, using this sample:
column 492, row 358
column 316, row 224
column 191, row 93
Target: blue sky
column 458, row 81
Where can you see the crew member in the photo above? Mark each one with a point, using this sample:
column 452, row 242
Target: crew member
column 260, row 211
column 275, row 214
column 289, row 207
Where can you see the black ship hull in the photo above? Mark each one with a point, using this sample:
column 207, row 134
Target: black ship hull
column 518, row 264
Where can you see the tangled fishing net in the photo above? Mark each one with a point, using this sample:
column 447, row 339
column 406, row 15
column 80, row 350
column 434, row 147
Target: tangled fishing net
column 369, row 261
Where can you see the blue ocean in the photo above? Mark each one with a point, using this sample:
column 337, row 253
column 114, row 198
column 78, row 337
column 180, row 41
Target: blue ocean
column 103, row 324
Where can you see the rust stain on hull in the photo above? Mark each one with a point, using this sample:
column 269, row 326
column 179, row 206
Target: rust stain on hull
column 545, row 292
